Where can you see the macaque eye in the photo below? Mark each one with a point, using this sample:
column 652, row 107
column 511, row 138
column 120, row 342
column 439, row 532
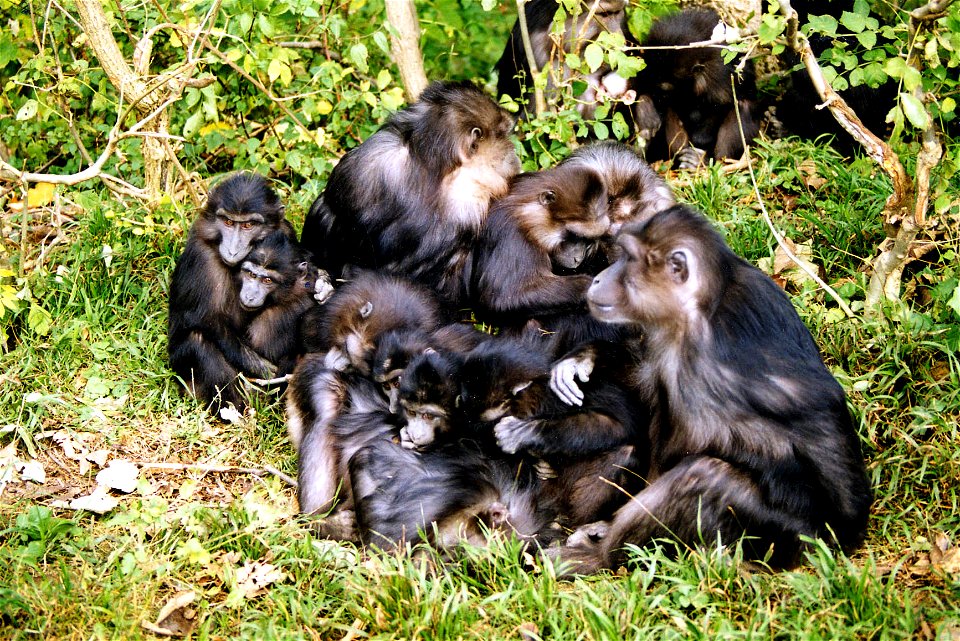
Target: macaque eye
column 267, row 280
column 425, row 416
column 228, row 222
column 246, row 226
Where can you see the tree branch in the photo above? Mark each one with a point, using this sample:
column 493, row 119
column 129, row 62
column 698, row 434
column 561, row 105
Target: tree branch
column 405, row 45
column 539, row 101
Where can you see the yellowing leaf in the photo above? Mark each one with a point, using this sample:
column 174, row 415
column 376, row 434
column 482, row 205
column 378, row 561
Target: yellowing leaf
column 324, row 107
column 41, row 195
column 279, row 69
column 212, row 127
column 193, row 551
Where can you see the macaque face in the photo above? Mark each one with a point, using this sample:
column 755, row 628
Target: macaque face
column 649, row 284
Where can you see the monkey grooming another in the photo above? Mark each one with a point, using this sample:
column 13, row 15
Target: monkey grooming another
column 545, row 215
column 750, row 432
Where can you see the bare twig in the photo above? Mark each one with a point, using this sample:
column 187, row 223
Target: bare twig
column 259, row 85
column 583, row 27
column 301, row 44
column 905, row 208
column 220, row 469
column 9, row 172
column 781, row 241
column 270, row 381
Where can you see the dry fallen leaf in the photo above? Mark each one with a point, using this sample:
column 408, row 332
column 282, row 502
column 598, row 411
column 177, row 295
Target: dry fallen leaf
column 120, row 475
column 72, row 447
column 785, row 268
column 231, row 415
column 528, row 631
column 808, row 172
column 99, row 457
column 175, row 619
column 944, row 556
column 254, row 577
column 33, row 471
column 99, row 501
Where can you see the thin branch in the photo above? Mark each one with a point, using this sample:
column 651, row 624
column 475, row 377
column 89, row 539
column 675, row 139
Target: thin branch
column 540, row 103
column 582, row 36
column 9, row 172
column 781, row 241
column 259, row 85
column 221, row 469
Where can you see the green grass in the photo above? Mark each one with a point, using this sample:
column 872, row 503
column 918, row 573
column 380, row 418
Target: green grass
column 99, row 377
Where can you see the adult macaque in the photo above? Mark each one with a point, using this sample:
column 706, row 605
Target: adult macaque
column 750, row 432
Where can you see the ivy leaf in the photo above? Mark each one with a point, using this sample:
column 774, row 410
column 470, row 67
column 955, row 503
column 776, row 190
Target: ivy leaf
column 392, row 99
column 380, row 39
column 593, row 54
column 911, row 79
column 954, row 302
column 826, row 25
column 914, row 111
column 601, row 131
column 265, row 26
column 358, row 56
column 895, row 67
column 853, row 21
column 619, row 126
column 39, row 320
column 279, row 69
column 868, row 39
column 192, row 124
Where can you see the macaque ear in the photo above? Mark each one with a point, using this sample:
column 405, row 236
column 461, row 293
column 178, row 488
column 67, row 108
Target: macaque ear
column 428, row 350
column 520, row 387
column 366, row 310
column 547, row 197
column 678, row 266
column 476, row 135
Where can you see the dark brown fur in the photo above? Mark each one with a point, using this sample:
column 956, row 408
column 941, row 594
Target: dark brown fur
column 410, row 200
column 692, row 93
column 750, row 434
column 514, row 279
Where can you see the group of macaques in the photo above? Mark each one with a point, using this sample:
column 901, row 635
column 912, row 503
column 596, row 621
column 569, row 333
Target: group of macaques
column 645, row 383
